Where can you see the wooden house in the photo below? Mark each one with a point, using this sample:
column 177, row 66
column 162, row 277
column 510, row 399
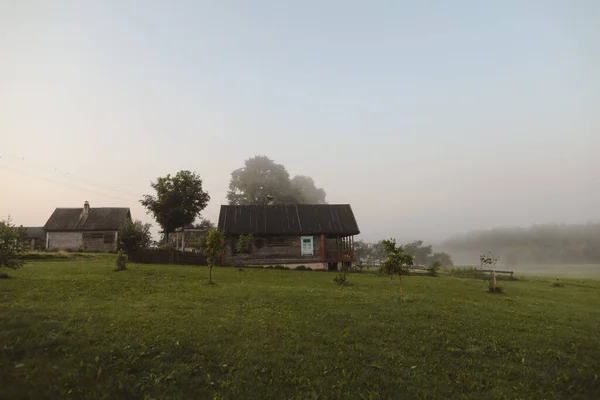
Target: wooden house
column 320, row 236
column 85, row 229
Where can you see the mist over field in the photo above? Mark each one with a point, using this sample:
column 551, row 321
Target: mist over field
column 541, row 249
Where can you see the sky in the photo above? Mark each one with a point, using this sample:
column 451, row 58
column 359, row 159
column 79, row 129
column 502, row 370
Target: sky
column 431, row 118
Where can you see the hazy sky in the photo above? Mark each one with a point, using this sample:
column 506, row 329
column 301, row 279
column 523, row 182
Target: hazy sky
column 429, row 117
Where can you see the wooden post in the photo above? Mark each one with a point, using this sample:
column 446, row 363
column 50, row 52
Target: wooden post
column 323, row 250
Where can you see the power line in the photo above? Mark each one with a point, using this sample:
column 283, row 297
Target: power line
column 68, row 175
column 37, row 176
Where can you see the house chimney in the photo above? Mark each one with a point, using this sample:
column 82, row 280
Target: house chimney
column 86, row 208
column 270, row 200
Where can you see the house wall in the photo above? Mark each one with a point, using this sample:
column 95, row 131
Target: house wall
column 275, row 250
column 97, row 241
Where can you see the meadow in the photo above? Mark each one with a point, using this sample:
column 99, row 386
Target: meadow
column 77, row 329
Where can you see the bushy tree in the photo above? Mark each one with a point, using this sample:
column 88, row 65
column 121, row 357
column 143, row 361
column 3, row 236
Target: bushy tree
column 443, row 259
column 307, row 190
column 396, row 261
column 215, row 244
column 179, row 200
column 12, row 248
column 244, row 244
column 204, row 224
column 419, row 252
column 121, row 261
column 261, row 178
column 134, row 236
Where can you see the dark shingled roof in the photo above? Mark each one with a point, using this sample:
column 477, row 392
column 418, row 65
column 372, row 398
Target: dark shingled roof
column 36, row 232
column 98, row 219
column 288, row 219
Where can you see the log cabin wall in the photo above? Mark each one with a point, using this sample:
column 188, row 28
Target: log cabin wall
column 273, row 250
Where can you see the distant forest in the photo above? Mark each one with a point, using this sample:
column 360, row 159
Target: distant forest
column 539, row 244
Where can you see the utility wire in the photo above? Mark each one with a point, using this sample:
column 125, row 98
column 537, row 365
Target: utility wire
column 68, row 175
column 37, row 176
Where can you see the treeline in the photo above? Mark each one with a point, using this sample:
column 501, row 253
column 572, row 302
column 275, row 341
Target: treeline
column 539, row 244
column 371, row 254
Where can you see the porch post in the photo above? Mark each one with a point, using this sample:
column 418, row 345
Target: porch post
column 323, row 250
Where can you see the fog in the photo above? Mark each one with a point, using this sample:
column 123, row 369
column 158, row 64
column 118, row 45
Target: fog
column 536, row 250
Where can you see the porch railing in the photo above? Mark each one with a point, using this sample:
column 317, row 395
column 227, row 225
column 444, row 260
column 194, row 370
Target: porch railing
column 339, row 255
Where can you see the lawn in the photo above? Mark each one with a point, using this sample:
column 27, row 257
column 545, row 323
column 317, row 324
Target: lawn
column 76, row 329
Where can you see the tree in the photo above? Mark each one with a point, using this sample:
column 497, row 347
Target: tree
column 362, row 253
column 259, row 178
column 378, row 252
column 204, row 224
column 179, row 200
column 134, row 236
column 215, row 244
column 396, row 261
column 443, row 259
column 307, row 189
column 419, row 252
column 11, row 245
column 490, row 260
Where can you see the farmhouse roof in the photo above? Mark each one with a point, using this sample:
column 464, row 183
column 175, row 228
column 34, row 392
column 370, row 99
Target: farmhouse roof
column 36, row 232
column 288, row 219
column 96, row 219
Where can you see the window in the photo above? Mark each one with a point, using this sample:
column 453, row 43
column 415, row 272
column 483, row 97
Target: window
column 109, row 238
column 307, row 245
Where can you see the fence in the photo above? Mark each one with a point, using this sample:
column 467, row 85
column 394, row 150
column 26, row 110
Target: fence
column 167, row 256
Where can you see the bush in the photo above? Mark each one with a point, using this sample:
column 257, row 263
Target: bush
column 341, row 280
column 434, row 268
column 121, row 261
column 11, row 245
column 491, row 287
column 303, row 268
column 277, row 267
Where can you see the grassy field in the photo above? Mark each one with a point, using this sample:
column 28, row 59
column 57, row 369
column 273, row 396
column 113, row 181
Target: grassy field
column 76, row 329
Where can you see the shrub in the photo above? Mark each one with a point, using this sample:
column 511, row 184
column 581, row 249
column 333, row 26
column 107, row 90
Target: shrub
column 11, row 246
column 134, row 236
column 341, row 280
column 277, row 267
column 303, row 268
column 492, row 286
column 435, row 268
column 557, row 284
column 121, row 261
column 244, row 244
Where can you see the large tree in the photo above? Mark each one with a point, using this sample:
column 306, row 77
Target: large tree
column 203, row 223
column 259, row 178
column 419, row 252
column 179, row 200
column 307, row 189
column 262, row 178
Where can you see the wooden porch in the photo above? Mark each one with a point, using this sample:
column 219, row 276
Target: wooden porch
column 337, row 249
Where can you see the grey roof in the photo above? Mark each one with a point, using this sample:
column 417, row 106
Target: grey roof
column 32, row 232
column 98, row 219
column 288, row 219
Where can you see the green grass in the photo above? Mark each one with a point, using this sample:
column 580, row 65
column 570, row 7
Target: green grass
column 77, row 329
